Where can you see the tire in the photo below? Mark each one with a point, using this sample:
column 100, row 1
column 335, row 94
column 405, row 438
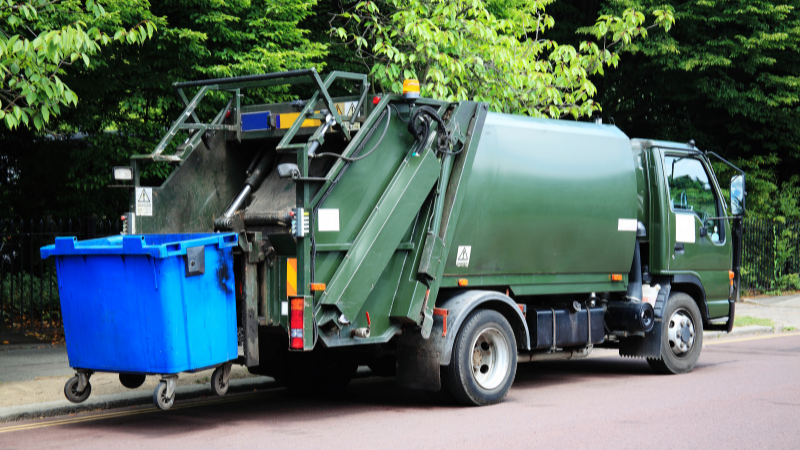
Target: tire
column 681, row 336
column 71, row 391
column 217, row 386
column 131, row 381
column 160, row 397
column 487, row 335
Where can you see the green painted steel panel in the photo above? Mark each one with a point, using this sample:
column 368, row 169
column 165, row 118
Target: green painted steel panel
column 378, row 239
column 546, row 196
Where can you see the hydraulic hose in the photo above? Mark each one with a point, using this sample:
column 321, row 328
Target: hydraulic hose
column 385, row 129
column 421, row 128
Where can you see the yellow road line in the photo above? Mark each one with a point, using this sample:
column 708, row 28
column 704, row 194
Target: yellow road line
column 751, row 338
column 111, row 415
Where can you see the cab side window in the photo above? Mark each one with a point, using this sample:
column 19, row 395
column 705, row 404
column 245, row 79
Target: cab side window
column 690, row 191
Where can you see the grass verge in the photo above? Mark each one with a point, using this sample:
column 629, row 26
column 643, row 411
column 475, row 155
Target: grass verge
column 745, row 321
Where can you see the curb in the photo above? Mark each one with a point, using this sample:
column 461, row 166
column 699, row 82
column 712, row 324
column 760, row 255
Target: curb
column 739, row 331
column 126, row 399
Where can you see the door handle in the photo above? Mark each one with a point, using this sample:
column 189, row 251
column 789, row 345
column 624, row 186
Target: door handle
column 679, row 248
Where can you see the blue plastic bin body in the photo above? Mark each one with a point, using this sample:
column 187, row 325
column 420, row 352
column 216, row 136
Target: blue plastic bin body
column 129, row 305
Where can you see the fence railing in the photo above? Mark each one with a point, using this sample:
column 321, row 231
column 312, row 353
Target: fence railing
column 29, row 289
column 28, row 286
column 771, row 256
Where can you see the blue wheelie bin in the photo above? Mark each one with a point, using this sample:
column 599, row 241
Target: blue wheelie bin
column 141, row 305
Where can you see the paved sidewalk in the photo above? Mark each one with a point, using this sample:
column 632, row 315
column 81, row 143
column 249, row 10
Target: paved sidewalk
column 784, row 311
column 32, row 375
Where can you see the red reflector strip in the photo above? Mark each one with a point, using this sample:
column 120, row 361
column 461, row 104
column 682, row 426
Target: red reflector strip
column 296, row 324
column 443, row 313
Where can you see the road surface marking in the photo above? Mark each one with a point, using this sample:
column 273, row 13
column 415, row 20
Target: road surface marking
column 751, row 338
column 111, row 415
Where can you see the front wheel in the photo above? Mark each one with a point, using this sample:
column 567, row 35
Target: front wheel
column 681, row 336
column 484, row 360
column 73, row 394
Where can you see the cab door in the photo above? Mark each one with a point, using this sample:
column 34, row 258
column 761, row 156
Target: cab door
column 699, row 242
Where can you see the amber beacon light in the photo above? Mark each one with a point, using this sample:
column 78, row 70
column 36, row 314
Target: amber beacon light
column 410, row 90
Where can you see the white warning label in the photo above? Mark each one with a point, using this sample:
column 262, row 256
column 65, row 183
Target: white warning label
column 144, row 201
column 462, row 259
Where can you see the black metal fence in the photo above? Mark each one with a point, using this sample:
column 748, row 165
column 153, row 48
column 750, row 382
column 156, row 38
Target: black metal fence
column 29, row 289
column 771, row 258
column 28, row 286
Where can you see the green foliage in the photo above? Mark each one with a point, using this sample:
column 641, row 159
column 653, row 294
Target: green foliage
column 727, row 77
column 460, row 50
column 39, row 39
column 127, row 102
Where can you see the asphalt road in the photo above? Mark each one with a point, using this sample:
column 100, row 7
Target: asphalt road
column 744, row 393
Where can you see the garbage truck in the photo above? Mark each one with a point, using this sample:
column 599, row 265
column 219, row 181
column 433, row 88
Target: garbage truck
column 433, row 241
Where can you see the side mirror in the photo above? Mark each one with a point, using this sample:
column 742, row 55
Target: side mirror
column 737, row 195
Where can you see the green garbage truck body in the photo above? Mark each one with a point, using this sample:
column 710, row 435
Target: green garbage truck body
column 441, row 243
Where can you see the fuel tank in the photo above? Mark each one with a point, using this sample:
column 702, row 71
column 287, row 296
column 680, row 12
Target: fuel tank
column 547, row 197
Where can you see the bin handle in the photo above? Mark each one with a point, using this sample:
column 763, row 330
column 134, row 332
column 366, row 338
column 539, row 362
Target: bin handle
column 152, row 262
column 228, row 240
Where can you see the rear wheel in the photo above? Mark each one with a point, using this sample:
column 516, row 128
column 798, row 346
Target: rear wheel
column 484, row 360
column 218, row 385
column 160, row 397
column 681, row 336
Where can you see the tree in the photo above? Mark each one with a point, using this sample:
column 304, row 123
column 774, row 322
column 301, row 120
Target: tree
column 727, row 77
column 127, row 101
column 39, row 39
column 460, row 50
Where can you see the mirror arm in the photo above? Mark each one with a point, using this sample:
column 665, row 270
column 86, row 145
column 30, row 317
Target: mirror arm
column 725, row 218
column 725, row 161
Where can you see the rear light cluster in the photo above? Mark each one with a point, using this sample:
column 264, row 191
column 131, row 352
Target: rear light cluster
column 296, row 324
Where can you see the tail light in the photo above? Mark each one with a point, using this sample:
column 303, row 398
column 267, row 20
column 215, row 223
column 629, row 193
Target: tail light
column 296, row 324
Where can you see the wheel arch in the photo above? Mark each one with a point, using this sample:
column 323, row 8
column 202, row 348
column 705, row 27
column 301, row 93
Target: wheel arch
column 460, row 306
column 691, row 285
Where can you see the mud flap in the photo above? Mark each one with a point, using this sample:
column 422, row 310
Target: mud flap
column 418, row 358
column 650, row 345
column 647, row 347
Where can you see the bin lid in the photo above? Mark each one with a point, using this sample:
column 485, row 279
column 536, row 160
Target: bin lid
column 155, row 245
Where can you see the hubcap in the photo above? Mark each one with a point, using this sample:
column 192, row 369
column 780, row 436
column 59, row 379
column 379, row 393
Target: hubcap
column 681, row 333
column 490, row 358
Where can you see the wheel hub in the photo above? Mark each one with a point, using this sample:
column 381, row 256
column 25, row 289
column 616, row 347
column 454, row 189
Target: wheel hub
column 681, row 333
column 490, row 359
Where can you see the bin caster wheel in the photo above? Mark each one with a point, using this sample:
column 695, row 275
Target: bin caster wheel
column 160, row 397
column 219, row 381
column 131, row 381
column 73, row 394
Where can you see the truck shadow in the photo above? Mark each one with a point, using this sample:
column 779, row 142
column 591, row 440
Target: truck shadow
column 279, row 410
